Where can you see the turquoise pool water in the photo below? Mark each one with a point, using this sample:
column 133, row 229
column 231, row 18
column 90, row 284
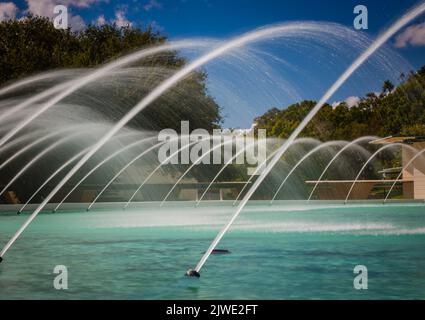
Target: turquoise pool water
column 279, row 252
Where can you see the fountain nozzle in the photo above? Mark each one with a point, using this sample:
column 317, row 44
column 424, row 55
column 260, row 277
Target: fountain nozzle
column 192, row 273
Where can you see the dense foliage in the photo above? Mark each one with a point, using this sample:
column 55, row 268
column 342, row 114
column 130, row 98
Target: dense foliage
column 395, row 111
column 32, row 45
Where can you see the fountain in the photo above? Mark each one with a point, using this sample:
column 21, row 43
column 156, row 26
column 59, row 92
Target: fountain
column 356, row 64
column 308, row 155
column 369, row 160
column 346, row 147
column 33, row 112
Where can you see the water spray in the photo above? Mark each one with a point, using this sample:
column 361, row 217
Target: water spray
column 308, row 155
column 185, row 71
column 399, row 24
column 346, row 147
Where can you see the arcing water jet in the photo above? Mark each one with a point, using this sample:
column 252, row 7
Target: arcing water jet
column 159, row 167
column 221, row 171
column 111, row 156
column 198, row 63
column 369, row 160
column 122, row 170
column 70, row 87
column 417, row 155
column 309, row 154
column 399, row 24
column 191, row 167
column 349, row 145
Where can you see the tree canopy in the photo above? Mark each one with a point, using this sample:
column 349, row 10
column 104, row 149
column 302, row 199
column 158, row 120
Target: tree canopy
column 32, row 45
column 395, row 111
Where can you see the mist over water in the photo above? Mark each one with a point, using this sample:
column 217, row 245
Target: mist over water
column 98, row 116
column 252, row 78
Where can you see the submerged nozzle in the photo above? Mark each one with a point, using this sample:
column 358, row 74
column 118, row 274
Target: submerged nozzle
column 192, row 273
column 1, row 259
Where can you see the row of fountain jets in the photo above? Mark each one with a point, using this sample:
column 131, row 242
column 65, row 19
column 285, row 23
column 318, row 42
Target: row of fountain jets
column 346, row 146
column 58, row 93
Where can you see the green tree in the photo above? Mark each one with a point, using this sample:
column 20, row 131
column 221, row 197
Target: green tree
column 32, row 45
column 397, row 111
column 388, row 87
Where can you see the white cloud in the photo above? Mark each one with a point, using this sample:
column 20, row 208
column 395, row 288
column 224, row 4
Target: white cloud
column 335, row 104
column 45, row 8
column 413, row 35
column 76, row 23
column 8, row 11
column 152, row 4
column 41, row 7
column 100, row 21
column 120, row 19
column 81, row 3
column 350, row 101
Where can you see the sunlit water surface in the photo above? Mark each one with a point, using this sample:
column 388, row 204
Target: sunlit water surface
column 278, row 252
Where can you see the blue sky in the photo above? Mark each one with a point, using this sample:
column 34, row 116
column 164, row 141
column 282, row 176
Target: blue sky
column 226, row 18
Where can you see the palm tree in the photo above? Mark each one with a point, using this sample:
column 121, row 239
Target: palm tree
column 388, row 87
